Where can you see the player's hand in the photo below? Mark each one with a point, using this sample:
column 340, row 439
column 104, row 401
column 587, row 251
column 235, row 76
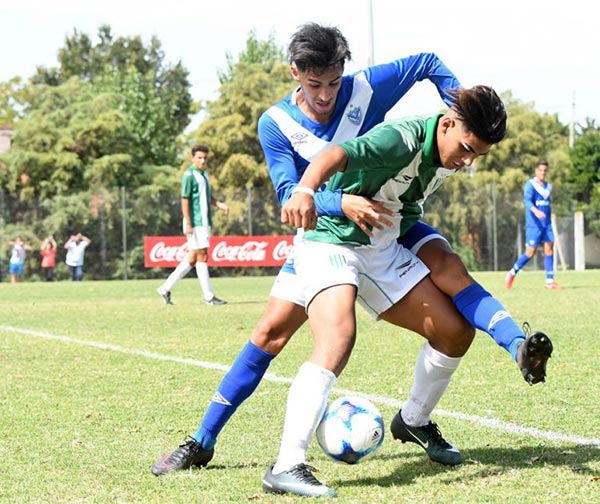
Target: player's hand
column 223, row 207
column 365, row 212
column 299, row 211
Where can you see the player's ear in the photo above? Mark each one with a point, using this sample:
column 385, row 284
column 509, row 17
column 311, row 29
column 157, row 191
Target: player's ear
column 446, row 122
column 295, row 72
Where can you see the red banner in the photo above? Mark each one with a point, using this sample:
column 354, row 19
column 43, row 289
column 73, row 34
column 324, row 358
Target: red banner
column 224, row 251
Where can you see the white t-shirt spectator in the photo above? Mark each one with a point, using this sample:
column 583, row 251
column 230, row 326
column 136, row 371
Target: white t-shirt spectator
column 75, row 253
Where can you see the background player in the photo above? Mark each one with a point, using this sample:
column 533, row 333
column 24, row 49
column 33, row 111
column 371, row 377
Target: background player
column 196, row 203
column 538, row 226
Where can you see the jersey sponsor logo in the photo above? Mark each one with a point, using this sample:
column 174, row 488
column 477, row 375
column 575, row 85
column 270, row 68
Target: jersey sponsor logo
column 219, row 399
column 354, row 114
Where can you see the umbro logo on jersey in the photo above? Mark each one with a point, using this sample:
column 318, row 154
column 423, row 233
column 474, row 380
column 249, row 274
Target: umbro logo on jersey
column 298, row 137
column 355, row 115
column 219, row 399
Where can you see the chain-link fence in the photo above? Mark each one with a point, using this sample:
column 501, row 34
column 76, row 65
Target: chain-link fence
column 484, row 225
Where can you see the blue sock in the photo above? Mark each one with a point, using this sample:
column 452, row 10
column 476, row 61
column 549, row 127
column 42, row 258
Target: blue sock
column 237, row 385
column 521, row 261
column 486, row 313
column 549, row 267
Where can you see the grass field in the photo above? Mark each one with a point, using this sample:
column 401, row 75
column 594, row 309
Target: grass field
column 99, row 379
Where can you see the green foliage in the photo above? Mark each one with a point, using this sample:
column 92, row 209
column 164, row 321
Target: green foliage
column 13, row 100
column 585, row 175
column 111, row 115
column 256, row 81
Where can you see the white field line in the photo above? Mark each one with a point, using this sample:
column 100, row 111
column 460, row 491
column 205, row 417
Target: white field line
column 491, row 423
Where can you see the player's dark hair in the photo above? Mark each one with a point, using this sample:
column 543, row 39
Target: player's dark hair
column 316, row 47
column 482, row 111
column 199, row 148
column 542, row 162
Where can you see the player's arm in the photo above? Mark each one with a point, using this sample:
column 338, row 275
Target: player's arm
column 529, row 200
column 219, row 204
column 282, row 168
column 299, row 210
column 393, row 80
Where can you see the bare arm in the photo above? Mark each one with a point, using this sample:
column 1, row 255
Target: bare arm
column 185, row 210
column 220, row 205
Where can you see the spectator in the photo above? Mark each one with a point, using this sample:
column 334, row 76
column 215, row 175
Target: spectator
column 17, row 259
column 76, row 246
column 49, row 258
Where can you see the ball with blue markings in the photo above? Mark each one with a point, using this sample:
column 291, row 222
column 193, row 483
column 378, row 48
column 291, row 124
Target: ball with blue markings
column 350, row 429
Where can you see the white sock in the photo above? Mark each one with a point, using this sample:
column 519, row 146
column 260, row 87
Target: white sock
column 182, row 269
column 204, row 278
column 307, row 400
column 433, row 372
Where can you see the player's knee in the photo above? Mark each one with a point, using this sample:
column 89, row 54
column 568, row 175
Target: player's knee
column 270, row 336
column 449, row 273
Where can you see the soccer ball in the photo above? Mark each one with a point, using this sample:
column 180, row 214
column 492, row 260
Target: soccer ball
column 350, row 429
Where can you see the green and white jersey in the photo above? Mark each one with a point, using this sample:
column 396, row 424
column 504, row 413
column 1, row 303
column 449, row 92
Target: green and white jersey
column 394, row 164
column 196, row 188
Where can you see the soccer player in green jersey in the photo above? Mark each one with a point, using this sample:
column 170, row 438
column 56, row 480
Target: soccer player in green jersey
column 398, row 163
column 196, row 202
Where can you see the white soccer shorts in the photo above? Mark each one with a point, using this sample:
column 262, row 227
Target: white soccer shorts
column 199, row 239
column 382, row 276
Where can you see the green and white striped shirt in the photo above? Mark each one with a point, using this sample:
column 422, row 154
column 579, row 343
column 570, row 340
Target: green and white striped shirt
column 393, row 164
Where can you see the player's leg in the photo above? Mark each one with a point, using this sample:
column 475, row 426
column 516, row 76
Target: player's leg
column 329, row 274
column 548, row 240
column 533, row 238
column 478, row 306
column 450, row 275
column 427, row 311
column 281, row 319
column 182, row 269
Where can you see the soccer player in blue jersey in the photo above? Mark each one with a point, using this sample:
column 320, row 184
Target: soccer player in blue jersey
column 325, row 109
column 538, row 226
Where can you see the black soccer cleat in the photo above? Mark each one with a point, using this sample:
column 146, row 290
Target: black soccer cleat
column 533, row 354
column 186, row 455
column 165, row 295
column 427, row 437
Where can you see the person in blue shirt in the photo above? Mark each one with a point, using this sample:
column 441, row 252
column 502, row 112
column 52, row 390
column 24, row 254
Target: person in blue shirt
column 327, row 108
column 538, row 226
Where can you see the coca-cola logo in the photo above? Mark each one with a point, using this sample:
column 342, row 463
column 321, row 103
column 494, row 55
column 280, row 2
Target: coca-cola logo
column 251, row 251
column 162, row 252
column 283, row 250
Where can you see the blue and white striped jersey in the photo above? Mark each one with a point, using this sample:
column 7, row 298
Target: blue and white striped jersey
column 290, row 140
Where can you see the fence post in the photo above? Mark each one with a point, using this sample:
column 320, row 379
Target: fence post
column 579, row 241
column 249, row 189
column 124, row 232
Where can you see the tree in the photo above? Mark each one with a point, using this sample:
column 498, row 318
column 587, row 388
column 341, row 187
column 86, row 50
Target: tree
column 585, row 175
column 250, row 85
column 156, row 96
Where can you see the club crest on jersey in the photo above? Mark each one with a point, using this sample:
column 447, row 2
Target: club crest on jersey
column 355, row 114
